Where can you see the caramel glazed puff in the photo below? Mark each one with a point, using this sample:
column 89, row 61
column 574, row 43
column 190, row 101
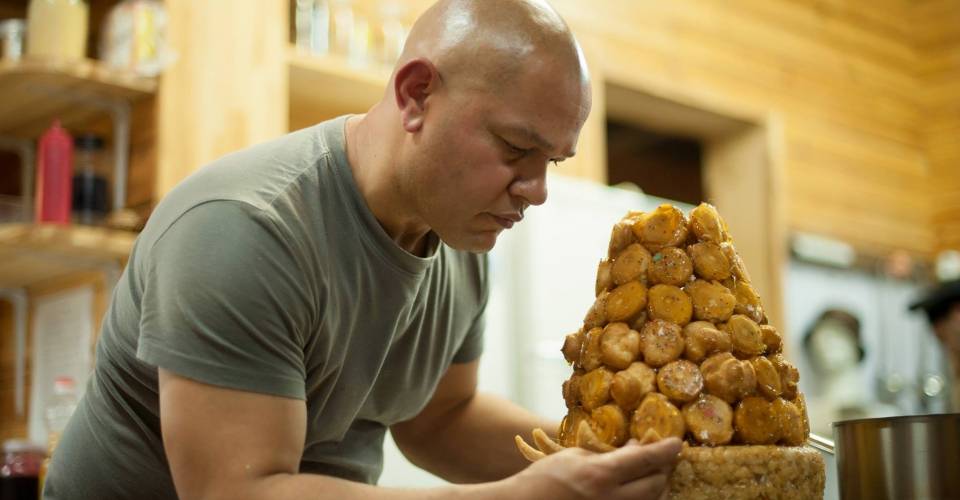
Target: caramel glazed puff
column 676, row 344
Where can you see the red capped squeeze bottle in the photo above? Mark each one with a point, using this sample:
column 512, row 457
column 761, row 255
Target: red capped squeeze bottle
column 54, row 175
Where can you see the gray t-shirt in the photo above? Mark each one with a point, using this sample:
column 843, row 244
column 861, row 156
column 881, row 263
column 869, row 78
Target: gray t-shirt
column 266, row 272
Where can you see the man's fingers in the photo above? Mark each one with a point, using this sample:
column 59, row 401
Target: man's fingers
column 651, row 487
column 634, row 461
column 666, row 490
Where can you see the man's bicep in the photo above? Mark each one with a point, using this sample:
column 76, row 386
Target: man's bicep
column 224, row 302
column 217, row 439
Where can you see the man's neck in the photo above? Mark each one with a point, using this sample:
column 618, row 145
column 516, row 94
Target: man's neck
column 369, row 153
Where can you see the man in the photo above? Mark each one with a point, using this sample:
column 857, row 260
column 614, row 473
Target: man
column 942, row 307
column 288, row 304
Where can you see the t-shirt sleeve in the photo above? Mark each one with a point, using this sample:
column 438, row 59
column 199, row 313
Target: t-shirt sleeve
column 224, row 301
column 472, row 346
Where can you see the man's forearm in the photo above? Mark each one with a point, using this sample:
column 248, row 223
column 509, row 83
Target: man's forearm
column 474, row 442
column 314, row 486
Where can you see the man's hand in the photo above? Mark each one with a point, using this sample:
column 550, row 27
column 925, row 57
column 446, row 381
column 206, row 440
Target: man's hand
column 632, row 472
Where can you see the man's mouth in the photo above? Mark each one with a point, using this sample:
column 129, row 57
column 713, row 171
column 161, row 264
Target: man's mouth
column 507, row 220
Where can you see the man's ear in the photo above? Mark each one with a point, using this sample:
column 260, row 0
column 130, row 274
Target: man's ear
column 414, row 83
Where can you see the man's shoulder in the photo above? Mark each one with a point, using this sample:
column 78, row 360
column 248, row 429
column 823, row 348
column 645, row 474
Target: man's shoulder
column 254, row 177
column 255, row 174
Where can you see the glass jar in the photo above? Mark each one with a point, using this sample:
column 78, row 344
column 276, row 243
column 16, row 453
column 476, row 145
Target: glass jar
column 12, row 32
column 313, row 26
column 341, row 27
column 20, row 472
column 392, row 33
column 359, row 53
column 134, row 37
column 57, row 29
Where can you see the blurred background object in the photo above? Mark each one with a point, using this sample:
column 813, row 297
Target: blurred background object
column 833, row 346
column 392, row 32
column 91, row 169
column 312, row 26
column 941, row 304
column 948, row 265
column 54, row 174
column 20, row 470
column 57, row 29
column 134, row 38
column 364, row 34
column 12, row 35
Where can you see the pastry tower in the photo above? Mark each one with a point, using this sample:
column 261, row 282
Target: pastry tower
column 677, row 344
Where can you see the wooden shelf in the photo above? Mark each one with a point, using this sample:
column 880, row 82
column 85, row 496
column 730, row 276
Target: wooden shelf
column 322, row 87
column 31, row 254
column 34, row 92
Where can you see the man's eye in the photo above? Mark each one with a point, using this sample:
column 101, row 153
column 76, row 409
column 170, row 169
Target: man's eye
column 515, row 150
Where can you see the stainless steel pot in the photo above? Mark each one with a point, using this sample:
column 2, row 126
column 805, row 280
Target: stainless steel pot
column 915, row 457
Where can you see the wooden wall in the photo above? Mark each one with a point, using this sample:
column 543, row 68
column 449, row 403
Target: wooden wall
column 228, row 88
column 839, row 75
column 938, row 45
column 11, row 424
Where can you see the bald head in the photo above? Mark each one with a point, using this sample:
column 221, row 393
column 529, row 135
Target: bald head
column 489, row 43
column 486, row 95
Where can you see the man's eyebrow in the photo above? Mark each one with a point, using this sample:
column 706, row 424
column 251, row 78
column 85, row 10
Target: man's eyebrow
column 542, row 143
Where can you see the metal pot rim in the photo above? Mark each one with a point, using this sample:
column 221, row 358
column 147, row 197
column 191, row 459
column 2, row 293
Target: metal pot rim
column 897, row 419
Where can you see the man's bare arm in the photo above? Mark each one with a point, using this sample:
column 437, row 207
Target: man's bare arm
column 465, row 436
column 227, row 444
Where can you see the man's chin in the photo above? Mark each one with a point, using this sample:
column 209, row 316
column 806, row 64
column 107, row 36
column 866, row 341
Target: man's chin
column 472, row 242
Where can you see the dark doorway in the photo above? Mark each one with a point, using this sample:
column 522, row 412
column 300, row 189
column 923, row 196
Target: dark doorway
column 661, row 165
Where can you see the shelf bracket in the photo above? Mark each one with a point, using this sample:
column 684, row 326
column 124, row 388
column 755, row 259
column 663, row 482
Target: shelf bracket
column 25, row 149
column 18, row 297
column 120, row 113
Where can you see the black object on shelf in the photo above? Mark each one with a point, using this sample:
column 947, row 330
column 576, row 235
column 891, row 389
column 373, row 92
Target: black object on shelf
column 90, row 200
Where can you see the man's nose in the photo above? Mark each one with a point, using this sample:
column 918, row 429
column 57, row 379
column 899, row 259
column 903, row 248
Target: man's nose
column 533, row 189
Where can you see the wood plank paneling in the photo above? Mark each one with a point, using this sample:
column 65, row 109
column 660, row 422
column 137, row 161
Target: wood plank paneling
column 228, row 88
column 938, row 43
column 12, row 425
column 936, row 23
column 847, row 82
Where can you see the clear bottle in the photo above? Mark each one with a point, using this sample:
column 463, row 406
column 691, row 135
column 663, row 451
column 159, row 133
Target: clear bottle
column 57, row 29
column 393, row 33
column 60, row 407
column 341, row 27
column 12, row 33
column 313, row 26
column 134, row 37
column 359, row 53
